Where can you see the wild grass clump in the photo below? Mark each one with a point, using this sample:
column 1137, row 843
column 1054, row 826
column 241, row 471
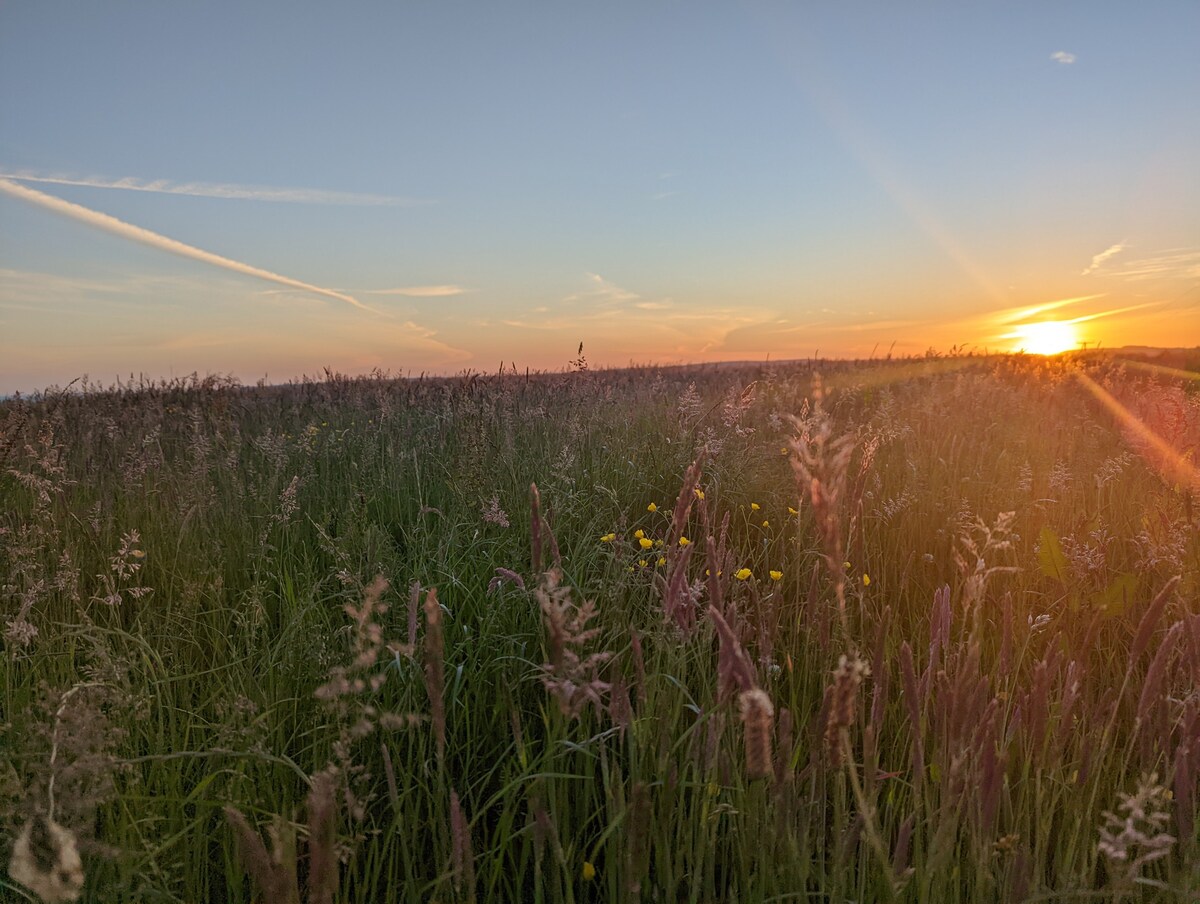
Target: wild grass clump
column 910, row 631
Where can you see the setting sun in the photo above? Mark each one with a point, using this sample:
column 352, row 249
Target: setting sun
column 1049, row 337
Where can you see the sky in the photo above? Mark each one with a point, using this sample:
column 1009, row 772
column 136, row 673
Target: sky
column 273, row 188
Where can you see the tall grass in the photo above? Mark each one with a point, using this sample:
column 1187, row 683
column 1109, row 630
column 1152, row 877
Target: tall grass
column 921, row 631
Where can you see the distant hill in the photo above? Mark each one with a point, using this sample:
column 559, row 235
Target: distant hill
column 1181, row 358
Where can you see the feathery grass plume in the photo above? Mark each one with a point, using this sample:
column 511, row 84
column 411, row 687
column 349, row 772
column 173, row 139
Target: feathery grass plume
column 434, row 660
column 900, row 854
column 678, row 605
column 389, row 771
column 535, row 529
column 491, row 513
column 735, row 673
column 274, row 872
column 913, row 701
column 991, row 767
column 820, row 460
column 462, row 857
column 639, row 667
column 1134, row 836
column 1186, row 761
column 980, row 544
column 843, row 702
column 46, row 861
column 1150, row 619
column 757, row 714
column 570, row 676
column 637, row 847
column 783, row 748
column 683, row 504
column 414, row 604
column 620, row 712
column 322, row 828
column 1153, row 690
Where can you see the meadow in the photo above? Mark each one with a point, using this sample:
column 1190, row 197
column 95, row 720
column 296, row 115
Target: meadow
column 917, row 631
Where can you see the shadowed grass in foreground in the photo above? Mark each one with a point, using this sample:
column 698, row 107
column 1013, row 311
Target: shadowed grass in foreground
column 920, row 632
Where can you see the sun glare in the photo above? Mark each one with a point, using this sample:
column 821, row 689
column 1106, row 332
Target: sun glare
column 1048, row 337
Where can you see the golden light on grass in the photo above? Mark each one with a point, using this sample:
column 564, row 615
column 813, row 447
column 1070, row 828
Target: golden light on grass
column 1046, row 337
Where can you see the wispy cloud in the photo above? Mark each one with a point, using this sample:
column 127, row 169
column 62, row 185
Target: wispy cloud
column 1177, row 263
column 144, row 236
column 1015, row 315
column 217, row 190
column 420, row 291
column 1064, row 57
column 605, row 292
column 1104, row 255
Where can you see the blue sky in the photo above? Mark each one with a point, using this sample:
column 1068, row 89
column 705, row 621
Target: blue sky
column 664, row 181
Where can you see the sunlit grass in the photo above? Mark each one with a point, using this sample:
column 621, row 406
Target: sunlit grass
column 911, row 642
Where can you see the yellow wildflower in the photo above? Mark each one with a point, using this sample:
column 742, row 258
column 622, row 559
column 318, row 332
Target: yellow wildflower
column 684, row 541
column 754, row 506
column 642, row 563
column 608, row 538
column 766, row 523
column 652, row 507
column 639, row 534
column 699, row 494
column 661, row 561
column 866, row 580
column 742, row 573
column 792, row 511
column 645, row 542
column 589, row 872
column 776, row 575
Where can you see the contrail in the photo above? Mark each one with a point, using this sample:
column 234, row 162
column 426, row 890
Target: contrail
column 154, row 240
column 217, row 190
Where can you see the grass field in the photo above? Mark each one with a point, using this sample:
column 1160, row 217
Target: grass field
column 918, row 631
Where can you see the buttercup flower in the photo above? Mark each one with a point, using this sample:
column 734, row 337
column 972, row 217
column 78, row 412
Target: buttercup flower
column 645, row 543
column 754, row 506
column 589, row 872
column 684, row 541
column 608, row 538
column 776, row 575
column 639, row 533
column 742, row 574
column 652, row 507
